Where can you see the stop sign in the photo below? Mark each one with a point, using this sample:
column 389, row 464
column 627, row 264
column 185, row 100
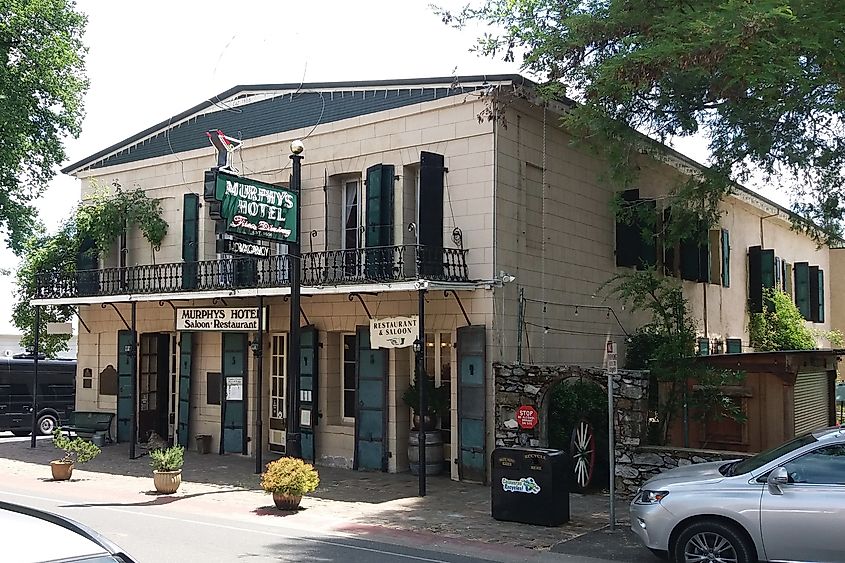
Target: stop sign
column 526, row 417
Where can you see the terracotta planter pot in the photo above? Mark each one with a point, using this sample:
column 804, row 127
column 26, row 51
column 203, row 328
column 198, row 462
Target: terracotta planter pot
column 286, row 502
column 61, row 470
column 167, row 482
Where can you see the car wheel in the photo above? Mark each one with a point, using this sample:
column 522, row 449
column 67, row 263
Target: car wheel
column 21, row 433
column 711, row 541
column 46, row 424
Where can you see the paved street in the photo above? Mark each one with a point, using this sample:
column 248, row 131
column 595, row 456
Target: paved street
column 365, row 517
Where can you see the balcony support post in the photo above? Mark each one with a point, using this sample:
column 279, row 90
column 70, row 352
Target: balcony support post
column 293, row 444
column 35, row 377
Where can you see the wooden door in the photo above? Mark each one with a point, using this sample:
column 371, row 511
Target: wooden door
column 371, row 412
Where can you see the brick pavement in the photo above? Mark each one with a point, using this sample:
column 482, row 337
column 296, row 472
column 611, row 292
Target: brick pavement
column 346, row 500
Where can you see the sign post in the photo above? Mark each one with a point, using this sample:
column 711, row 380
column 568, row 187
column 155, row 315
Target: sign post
column 612, row 370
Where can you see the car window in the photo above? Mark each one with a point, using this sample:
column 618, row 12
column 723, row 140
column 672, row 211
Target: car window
column 763, row 458
column 824, row 466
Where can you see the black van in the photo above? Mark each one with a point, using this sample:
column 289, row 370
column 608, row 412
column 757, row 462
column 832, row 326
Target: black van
column 56, row 394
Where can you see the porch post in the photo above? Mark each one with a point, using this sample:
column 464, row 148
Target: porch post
column 35, row 377
column 422, row 384
column 293, row 444
column 133, row 382
column 258, row 352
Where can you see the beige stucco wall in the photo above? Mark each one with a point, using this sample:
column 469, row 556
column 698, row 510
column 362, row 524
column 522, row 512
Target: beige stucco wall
column 559, row 243
column 334, row 152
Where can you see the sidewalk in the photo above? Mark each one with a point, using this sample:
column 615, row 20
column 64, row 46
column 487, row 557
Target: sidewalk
column 345, row 501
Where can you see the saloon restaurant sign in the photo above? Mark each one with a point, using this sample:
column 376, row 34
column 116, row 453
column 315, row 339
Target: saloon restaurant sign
column 252, row 208
column 218, row 318
column 393, row 332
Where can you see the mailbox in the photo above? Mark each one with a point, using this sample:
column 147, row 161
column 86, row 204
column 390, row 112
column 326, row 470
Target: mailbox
column 529, row 485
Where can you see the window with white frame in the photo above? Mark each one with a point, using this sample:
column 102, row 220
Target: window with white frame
column 351, row 216
column 278, row 372
column 348, row 369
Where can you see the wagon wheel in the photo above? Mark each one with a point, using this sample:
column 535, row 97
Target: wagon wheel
column 582, row 447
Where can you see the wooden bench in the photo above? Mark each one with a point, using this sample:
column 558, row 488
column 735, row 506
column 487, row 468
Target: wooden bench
column 87, row 423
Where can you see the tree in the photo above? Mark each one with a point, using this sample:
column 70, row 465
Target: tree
column 665, row 345
column 42, row 82
column 763, row 82
column 781, row 326
column 93, row 227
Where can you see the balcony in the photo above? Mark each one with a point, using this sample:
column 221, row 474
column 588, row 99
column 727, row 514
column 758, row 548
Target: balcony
column 385, row 264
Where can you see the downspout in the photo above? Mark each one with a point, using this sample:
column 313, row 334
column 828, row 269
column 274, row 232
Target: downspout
column 762, row 243
column 325, row 209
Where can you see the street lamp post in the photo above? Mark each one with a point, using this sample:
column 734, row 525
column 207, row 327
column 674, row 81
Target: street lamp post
column 293, row 438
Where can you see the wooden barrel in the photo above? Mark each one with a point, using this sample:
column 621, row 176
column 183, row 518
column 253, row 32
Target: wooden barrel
column 433, row 452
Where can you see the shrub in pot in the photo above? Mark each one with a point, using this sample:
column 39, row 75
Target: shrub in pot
column 437, row 399
column 76, row 450
column 288, row 479
column 167, row 468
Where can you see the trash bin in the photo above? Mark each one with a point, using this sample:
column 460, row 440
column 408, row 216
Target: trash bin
column 203, row 443
column 530, row 486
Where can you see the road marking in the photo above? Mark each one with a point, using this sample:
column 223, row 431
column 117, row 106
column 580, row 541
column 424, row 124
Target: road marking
column 51, row 501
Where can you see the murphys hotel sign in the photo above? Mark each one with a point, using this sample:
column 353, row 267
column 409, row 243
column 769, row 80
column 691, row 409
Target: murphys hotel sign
column 251, row 208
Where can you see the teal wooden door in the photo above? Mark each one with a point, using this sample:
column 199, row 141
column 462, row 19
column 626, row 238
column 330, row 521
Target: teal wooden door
column 125, row 405
column 472, row 362
column 371, row 412
column 234, row 393
column 186, row 349
column 308, row 385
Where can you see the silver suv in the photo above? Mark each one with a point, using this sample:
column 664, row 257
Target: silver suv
column 785, row 504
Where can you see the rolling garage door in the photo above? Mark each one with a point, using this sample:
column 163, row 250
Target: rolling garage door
column 812, row 402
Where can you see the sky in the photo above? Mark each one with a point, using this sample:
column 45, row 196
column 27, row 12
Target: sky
column 150, row 60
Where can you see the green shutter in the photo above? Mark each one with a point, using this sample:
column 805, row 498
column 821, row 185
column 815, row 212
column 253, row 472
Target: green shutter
column 186, row 341
column 308, row 387
column 125, row 396
column 726, row 258
column 761, row 274
column 802, row 288
column 816, row 305
column 734, row 345
column 821, row 296
column 632, row 248
column 472, row 406
column 767, row 268
column 379, row 222
column 703, row 347
column 190, row 238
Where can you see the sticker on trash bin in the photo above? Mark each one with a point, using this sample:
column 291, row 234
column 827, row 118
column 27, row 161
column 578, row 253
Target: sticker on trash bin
column 524, row 485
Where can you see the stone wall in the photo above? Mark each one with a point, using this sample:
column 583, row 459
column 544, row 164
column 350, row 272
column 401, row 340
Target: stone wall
column 635, row 467
column 518, row 385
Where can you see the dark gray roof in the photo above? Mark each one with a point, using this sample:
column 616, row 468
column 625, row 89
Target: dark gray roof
column 296, row 106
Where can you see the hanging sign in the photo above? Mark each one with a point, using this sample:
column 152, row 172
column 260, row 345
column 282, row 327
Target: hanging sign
column 218, row 318
column 252, row 208
column 526, row 417
column 611, row 358
column 393, row 332
column 247, row 248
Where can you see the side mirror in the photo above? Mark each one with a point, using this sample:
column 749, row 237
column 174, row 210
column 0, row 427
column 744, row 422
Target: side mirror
column 776, row 478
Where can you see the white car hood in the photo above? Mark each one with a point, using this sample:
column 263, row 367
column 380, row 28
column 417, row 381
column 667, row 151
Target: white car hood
column 695, row 473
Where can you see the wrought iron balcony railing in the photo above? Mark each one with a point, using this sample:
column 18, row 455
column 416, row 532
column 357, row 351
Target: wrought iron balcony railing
column 326, row 268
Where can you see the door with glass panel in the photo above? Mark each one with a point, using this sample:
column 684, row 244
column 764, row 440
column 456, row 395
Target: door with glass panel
column 278, row 411
column 438, row 365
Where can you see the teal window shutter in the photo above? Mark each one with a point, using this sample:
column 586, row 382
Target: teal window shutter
column 767, row 268
column 734, row 345
column 633, row 250
column 755, row 283
column 821, row 296
column 380, row 202
column 802, row 288
column 816, row 294
column 726, row 258
column 190, row 237
column 703, row 347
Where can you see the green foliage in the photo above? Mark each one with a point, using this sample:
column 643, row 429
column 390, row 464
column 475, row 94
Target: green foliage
column 290, row 476
column 109, row 212
column 437, row 398
column 666, row 345
column 167, row 459
column 103, row 220
column 76, row 450
column 42, row 83
column 761, row 81
column 780, row 327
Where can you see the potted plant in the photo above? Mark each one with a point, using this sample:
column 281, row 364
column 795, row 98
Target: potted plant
column 288, row 479
column 437, row 399
column 167, row 468
column 76, row 450
column 437, row 404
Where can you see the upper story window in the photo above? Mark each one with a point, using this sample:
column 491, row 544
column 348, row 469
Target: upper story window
column 351, row 216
